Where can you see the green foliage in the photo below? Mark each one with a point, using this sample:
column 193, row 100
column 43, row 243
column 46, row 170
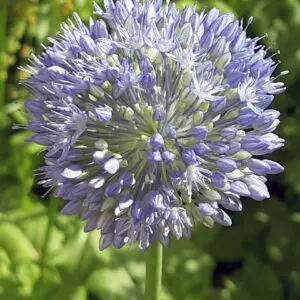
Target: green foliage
column 44, row 255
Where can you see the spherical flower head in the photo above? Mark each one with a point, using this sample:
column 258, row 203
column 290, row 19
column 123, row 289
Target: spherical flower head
column 154, row 120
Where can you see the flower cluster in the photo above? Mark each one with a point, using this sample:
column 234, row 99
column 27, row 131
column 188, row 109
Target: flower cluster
column 154, row 119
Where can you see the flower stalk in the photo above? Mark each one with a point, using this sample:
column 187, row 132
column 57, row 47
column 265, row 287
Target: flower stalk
column 154, row 258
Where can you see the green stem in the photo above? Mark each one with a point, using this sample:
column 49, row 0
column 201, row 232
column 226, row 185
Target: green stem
column 56, row 15
column 154, row 256
column 52, row 210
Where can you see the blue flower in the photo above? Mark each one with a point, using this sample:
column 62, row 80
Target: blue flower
column 154, row 119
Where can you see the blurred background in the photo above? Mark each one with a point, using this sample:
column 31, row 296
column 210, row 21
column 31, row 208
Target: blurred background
column 44, row 255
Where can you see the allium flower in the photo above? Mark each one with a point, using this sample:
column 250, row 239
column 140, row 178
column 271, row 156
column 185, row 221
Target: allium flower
column 154, row 119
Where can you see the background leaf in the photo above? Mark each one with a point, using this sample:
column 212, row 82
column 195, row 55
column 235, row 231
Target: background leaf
column 44, row 255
